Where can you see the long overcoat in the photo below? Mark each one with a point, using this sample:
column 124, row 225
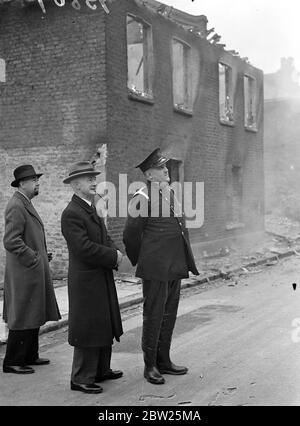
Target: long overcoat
column 29, row 298
column 94, row 314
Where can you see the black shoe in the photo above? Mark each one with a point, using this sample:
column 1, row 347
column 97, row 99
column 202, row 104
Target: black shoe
column 110, row 375
column 86, row 388
column 171, row 368
column 153, row 376
column 40, row 361
column 18, row 369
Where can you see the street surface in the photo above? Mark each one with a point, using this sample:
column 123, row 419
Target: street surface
column 240, row 339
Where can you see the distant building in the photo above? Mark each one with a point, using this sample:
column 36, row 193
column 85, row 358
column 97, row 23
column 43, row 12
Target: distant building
column 283, row 84
column 142, row 76
column 282, row 135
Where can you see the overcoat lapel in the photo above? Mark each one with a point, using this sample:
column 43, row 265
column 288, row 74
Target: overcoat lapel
column 93, row 214
column 82, row 204
column 29, row 207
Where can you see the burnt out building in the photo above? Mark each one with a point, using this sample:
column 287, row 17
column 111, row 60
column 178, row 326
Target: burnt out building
column 75, row 78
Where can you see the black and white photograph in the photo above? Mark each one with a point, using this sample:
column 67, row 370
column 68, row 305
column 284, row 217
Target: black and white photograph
column 150, row 206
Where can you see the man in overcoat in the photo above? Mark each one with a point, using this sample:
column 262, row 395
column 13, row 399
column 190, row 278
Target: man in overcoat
column 94, row 314
column 157, row 241
column 29, row 298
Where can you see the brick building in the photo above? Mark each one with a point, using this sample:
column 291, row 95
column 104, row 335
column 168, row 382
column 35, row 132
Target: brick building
column 144, row 75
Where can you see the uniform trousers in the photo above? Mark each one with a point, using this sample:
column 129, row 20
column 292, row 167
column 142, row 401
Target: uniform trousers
column 161, row 299
column 22, row 347
column 90, row 363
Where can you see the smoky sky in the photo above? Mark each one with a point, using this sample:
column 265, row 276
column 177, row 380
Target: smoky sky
column 262, row 30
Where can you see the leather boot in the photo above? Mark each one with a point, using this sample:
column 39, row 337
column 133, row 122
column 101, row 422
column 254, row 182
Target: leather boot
column 150, row 336
column 166, row 366
column 151, row 373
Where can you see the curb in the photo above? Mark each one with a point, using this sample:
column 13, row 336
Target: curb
column 189, row 282
column 226, row 275
column 132, row 300
column 64, row 321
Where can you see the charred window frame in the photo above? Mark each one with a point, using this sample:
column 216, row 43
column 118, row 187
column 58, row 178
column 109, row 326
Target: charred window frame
column 234, row 193
column 139, row 59
column 226, row 107
column 181, row 77
column 250, row 117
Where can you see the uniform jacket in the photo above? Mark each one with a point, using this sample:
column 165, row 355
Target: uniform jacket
column 94, row 314
column 159, row 246
column 29, row 298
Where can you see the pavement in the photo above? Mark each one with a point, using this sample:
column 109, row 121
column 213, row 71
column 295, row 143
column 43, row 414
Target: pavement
column 239, row 338
column 226, row 263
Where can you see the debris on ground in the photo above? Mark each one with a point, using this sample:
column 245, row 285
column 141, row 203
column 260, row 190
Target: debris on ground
column 281, row 235
column 223, row 251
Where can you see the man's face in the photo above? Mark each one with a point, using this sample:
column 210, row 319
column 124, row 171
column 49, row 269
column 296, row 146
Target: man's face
column 87, row 186
column 158, row 174
column 30, row 187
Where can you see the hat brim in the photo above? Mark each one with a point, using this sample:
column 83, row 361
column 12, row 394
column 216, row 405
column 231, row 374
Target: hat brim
column 15, row 183
column 75, row 175
column 161, row 162
column 156, row 165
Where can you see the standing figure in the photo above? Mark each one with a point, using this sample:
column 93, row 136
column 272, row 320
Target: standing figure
column 29, row 298
column 157, row 242
column 94, row 314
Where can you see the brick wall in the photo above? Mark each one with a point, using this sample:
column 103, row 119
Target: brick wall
column 52, row 106
column 66, row 93
column 205, row 145
column 53, row 196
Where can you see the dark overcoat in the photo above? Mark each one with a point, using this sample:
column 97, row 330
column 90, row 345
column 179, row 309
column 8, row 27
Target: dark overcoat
column 158, row 245
column 94, row 314
column 29, row 298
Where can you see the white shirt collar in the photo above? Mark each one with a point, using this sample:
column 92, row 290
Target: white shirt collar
column 87, row 201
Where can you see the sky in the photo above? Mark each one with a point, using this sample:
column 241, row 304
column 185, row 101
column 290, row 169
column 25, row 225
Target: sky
column 262, row 30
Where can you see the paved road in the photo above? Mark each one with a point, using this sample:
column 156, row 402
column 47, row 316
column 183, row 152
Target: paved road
column 239, row 339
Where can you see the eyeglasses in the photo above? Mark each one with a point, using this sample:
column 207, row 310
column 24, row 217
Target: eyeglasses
column 31, row 179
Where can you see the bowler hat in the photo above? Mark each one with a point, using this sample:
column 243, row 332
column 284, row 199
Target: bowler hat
column 80, row 169
column 155, row 159
column 24, row 172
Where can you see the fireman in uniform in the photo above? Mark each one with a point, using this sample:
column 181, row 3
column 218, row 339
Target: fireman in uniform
column 157, row 241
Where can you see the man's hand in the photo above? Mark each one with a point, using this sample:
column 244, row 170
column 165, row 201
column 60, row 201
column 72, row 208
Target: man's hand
column 120, row 257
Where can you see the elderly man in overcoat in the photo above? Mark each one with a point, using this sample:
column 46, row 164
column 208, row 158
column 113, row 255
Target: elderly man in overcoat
column 157, row 241
column 94, row 314
column 29, row 298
